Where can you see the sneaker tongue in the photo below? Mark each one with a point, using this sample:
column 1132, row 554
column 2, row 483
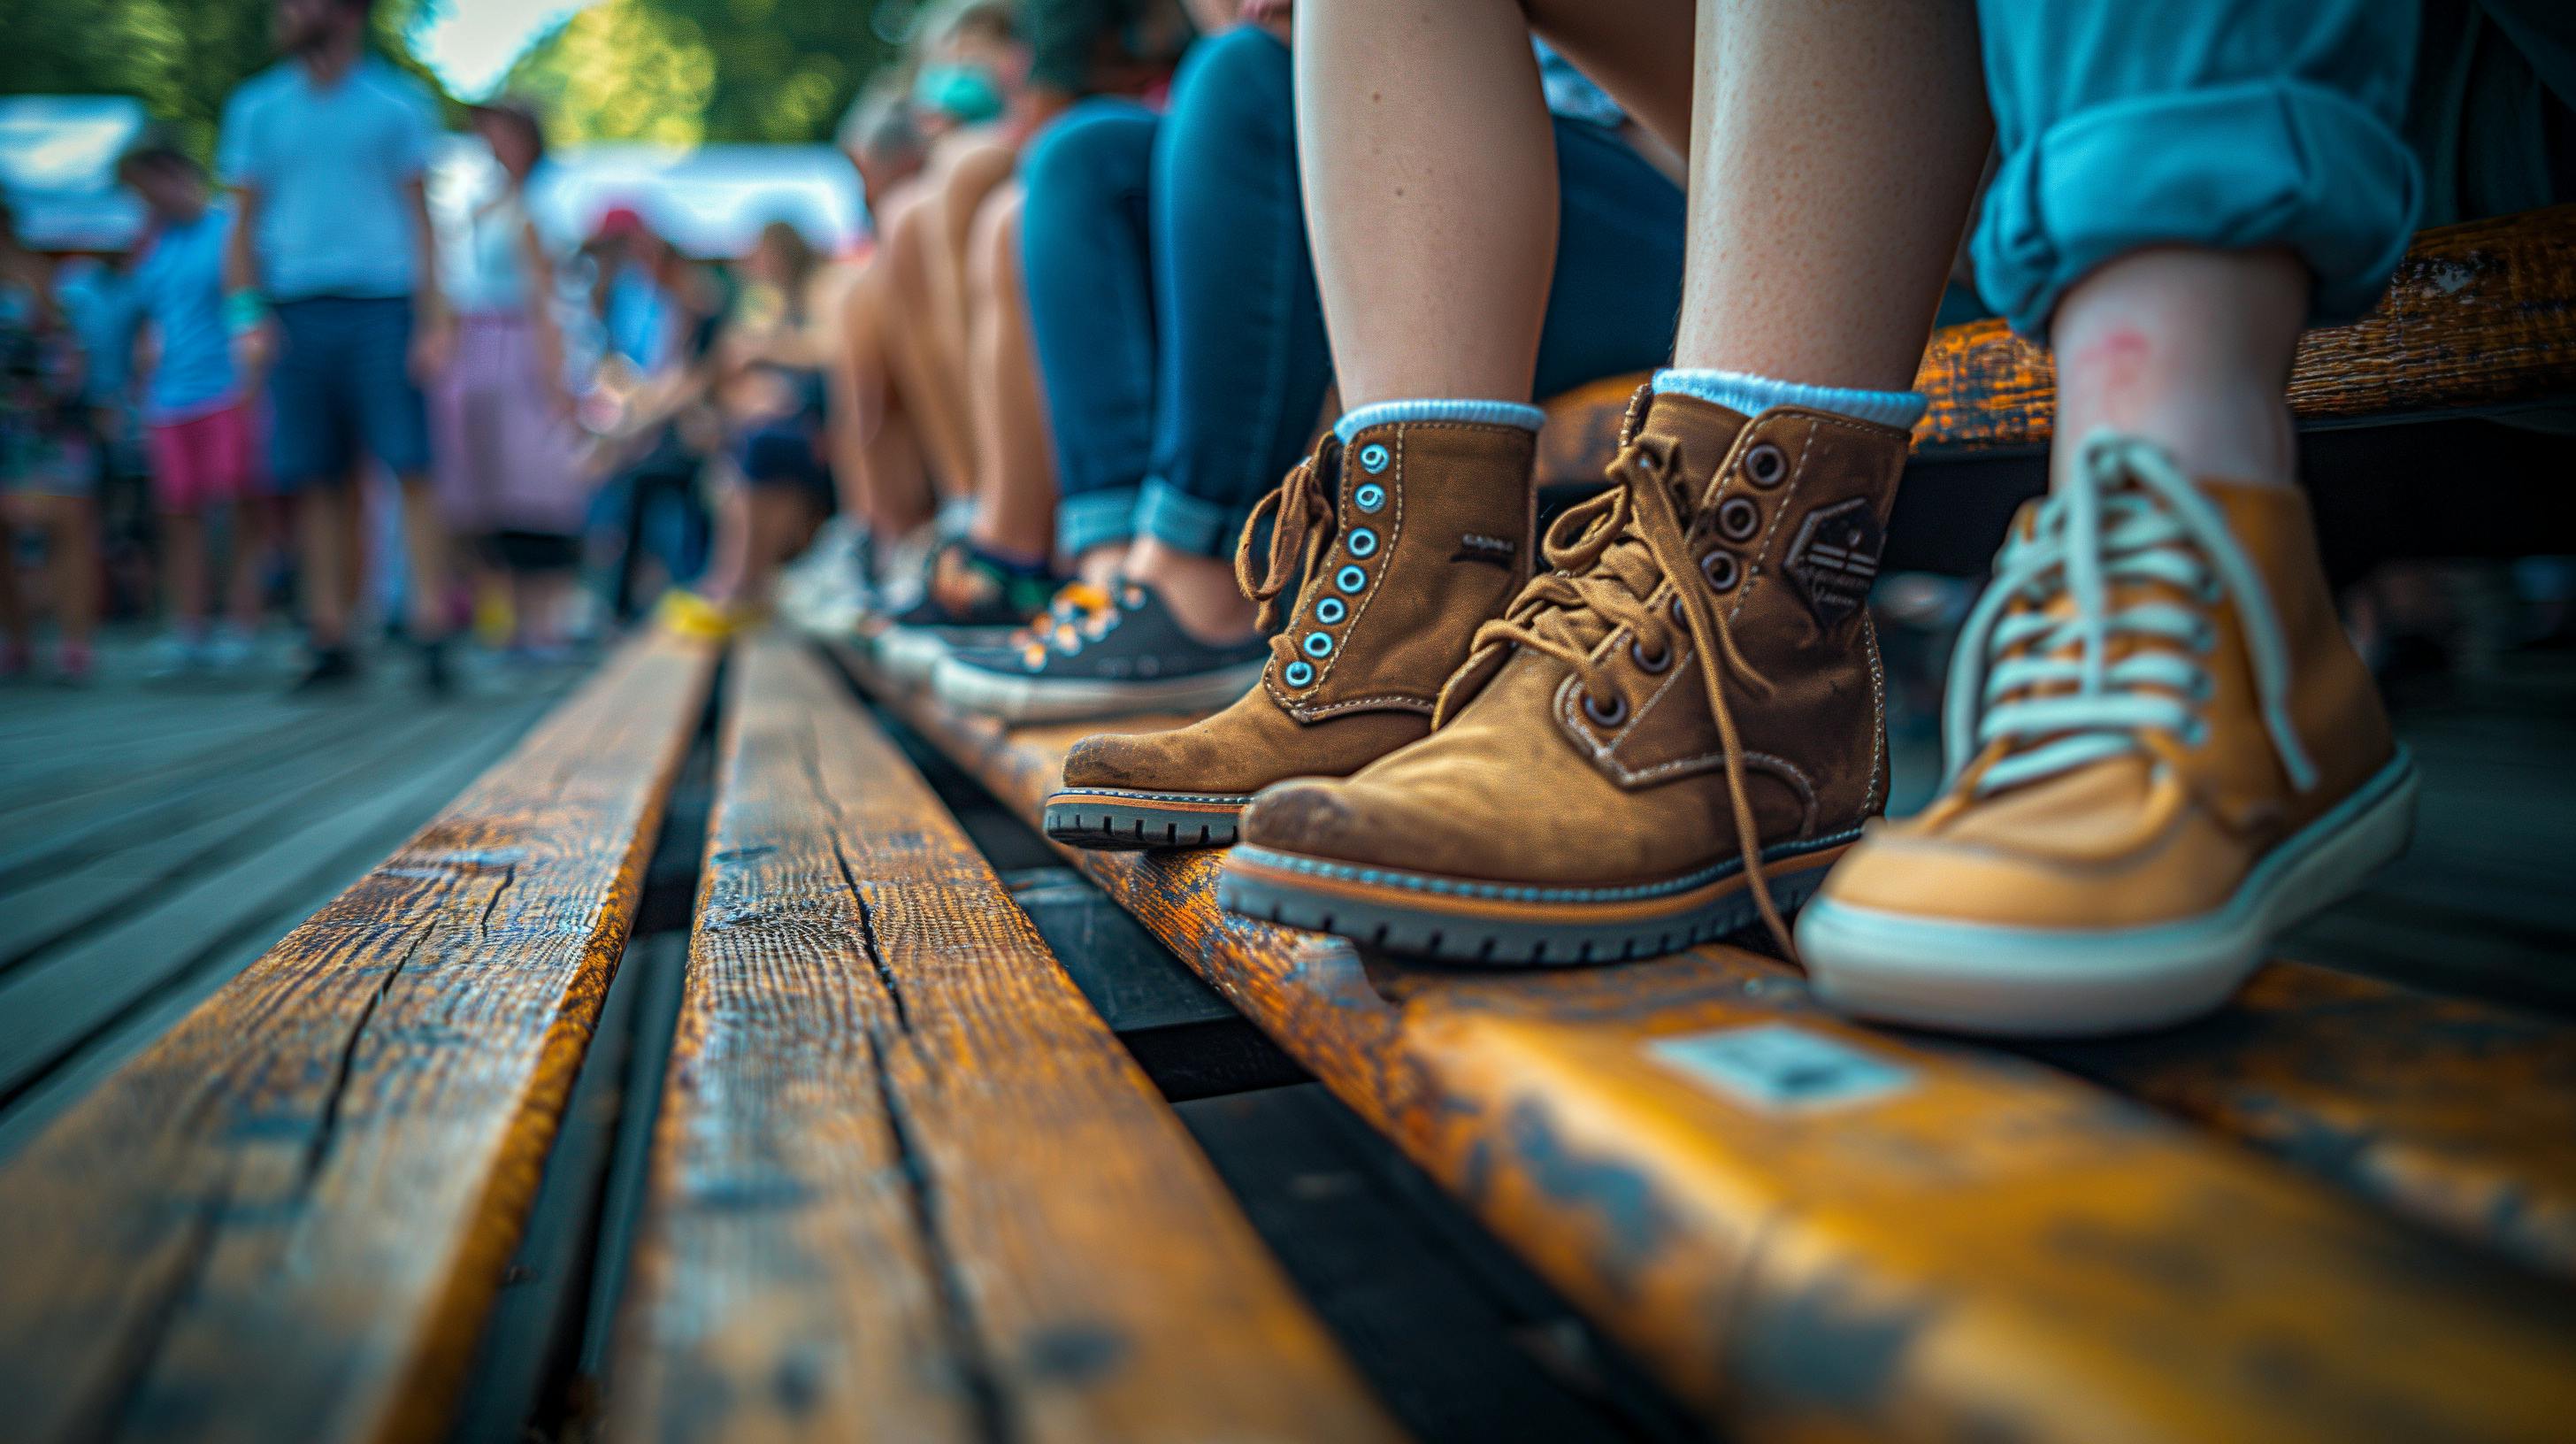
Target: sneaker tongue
column 1690, row 438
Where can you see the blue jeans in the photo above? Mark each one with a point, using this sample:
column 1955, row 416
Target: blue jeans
column 2228, row 125
column 1179, row 334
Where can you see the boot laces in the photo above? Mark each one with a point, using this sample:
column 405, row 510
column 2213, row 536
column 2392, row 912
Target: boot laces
column 2137, row 555
column 1303, row 524
column 1612, row 555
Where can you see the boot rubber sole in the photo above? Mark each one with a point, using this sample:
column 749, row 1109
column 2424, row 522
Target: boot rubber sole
column 2003, row 981
column 1032, row 699
column 1464, row 920
column 1106, row 819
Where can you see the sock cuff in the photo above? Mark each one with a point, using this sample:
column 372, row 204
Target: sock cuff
column 1743, row 391
column 1495, row 413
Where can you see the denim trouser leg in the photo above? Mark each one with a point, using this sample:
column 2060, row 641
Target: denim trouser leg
column 2211, row 123
column 1090, row 288
column 1616, row 294
column 1244, row 361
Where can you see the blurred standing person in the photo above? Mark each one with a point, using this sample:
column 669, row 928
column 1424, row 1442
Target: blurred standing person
column 508, row 449
column 48, row 462
column 333, row 267
column 658, row 317
column 197, row 417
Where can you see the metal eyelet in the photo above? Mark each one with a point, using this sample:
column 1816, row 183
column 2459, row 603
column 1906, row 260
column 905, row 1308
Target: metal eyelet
column 1331, row 610
column 1351, row 579
column 1766, row 465
column 1362, row 543
column 1374, row 457
column 1653, row 665
column 1738, row 518
column 1369, row 497
column 1610, row 716
column 1319, row 645
column 1721, row 570
column 1297, row 674
column 1673, row 609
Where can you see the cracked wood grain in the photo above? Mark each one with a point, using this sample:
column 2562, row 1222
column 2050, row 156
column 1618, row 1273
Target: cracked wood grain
column 906, row 1185
column 286, row 1219
column 1993, row 1250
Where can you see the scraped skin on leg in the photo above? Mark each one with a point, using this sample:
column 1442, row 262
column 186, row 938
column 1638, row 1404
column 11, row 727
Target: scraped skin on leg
column 1835, row 155
column 1430, row 180
column 2189, row 349
column 1015, row 478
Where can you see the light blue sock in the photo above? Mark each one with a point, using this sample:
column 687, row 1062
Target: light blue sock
column 1497, row 413
column 1743, row 391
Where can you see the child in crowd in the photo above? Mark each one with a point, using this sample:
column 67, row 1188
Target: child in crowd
column 48, row 464
column 200, row 430
column 2163, row 750
column 508, row 452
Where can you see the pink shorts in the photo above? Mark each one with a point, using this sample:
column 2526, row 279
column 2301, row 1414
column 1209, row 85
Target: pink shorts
column 202, row 461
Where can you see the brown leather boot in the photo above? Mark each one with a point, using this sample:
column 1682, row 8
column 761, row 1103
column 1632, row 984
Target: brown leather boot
column 1689, row 705
column 1409, row 538
column 2164, row 753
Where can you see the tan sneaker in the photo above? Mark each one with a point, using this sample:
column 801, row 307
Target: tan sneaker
column 2163, row 753
column 1673, row 734
column 1408, row 538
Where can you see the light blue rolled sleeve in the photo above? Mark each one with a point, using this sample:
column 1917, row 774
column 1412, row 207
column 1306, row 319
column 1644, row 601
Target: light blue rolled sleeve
column 2230, row 124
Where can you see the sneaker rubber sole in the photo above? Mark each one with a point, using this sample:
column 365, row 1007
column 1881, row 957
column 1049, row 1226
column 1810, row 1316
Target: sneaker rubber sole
column 2002, row 981
column 1109, row 820
column 1463, row 920
column 1042, row 699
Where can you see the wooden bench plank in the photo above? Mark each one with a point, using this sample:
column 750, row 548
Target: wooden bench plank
column 2480, row 320
column 286, row 1219
column 1987, row 1244
column 907, row 1185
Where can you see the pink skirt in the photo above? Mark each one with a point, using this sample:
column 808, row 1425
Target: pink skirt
column 503, row 460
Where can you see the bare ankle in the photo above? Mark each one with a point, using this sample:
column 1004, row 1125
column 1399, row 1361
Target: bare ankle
column 1200, row 591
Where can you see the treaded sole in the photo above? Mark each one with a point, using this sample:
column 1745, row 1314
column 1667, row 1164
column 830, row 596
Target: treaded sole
column 1386, row 918
column 1107, row 824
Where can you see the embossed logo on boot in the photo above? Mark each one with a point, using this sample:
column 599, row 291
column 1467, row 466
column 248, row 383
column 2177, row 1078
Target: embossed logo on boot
column 1835, row 558
column 1491, row 550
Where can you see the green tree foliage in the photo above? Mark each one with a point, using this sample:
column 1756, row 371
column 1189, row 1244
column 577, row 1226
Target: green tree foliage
column 685, row 71
column 182, row 57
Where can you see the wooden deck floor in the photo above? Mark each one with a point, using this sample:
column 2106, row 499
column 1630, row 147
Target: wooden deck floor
column 156, row 835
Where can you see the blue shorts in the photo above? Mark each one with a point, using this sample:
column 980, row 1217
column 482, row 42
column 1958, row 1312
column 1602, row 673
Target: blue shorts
column 342, row 390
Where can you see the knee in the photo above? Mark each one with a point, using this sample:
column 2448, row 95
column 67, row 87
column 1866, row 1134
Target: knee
column 992, row 250
column 1097, row 148
column 1242, row 74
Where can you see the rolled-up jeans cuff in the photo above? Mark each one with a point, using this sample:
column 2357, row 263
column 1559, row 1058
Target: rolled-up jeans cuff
column 1095, row 519
column 1188, row 523
column 2233, row 167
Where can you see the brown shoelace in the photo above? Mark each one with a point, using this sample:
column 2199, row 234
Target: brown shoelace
column 1302, row 527
column 1610, row 555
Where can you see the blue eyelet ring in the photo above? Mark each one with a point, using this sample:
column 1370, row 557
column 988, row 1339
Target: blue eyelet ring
column 1298, row 674
column 1319, row 645
column 1369, row 497
column 1351, row 579
column 1331, row 610
column 1374, row 457
column 1363, row 543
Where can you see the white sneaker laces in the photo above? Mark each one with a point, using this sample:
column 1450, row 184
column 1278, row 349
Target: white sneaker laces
column 2048, row 687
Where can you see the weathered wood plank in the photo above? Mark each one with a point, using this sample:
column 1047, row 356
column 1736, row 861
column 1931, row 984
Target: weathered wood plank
column 286, row 1219
column 2480, row 320
column 907, row 1186
column 1969, row 1243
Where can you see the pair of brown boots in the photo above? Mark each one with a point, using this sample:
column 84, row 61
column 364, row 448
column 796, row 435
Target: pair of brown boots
column 2162, row 749
column 1585, row 786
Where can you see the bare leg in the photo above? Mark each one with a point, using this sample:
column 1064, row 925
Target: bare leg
column 425, row 545
column 1430, row 194
column 1201, row 591
column 1836, row 153
column 778, row 519
column 321, row 516
column 878, row 462
column 2189, row 349
column 250, row 542
column 1015, row 484
column 75, row 568
column 730, row 562
column 183, row 570
column 913, row 353
column 357, row 548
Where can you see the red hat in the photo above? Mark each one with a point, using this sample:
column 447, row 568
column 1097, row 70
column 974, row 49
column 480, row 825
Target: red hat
column 618, row 222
